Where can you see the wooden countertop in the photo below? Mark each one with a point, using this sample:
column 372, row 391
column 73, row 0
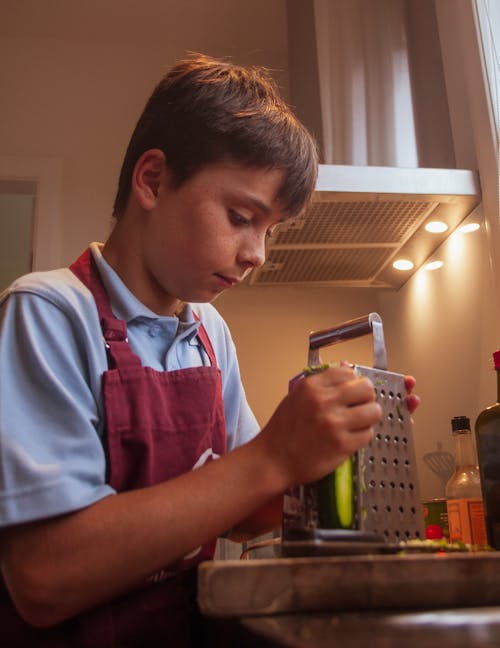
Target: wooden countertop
column 262, row 587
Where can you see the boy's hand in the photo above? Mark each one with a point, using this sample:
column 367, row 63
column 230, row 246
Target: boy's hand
column 324, row 419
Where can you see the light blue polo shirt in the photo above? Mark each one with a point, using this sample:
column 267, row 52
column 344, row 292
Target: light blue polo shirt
column 52, row 359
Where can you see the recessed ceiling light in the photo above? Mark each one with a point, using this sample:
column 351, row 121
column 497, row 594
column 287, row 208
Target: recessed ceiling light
column 402, row 264
column 433, row 265
column 470, row 227
column 436, row 227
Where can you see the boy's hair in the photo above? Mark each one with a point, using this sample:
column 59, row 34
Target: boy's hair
column 206, row 110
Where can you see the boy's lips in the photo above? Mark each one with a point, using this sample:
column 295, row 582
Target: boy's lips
column 228, row 280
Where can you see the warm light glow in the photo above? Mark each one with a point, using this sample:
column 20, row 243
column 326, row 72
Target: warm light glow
column 433, row 265
column 456, row 244
column 436, row 227
column 402, row 264
column 470, row 227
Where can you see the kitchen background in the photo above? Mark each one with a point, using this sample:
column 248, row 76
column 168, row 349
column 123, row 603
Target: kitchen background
column 390, row 83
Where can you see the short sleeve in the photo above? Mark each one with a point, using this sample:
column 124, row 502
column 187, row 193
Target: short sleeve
column 51, row 453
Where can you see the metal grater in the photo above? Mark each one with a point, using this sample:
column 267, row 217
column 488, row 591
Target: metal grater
column 386, row 494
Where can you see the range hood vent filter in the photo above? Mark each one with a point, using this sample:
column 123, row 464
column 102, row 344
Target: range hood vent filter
column 318, row 266
column 356, row 222
column 363, row 218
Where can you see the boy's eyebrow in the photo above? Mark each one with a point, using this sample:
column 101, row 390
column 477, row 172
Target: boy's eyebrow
column 258, row 204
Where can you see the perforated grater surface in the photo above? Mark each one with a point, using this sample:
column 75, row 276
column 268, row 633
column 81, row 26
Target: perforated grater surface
column 389, row 501
column 387, row 506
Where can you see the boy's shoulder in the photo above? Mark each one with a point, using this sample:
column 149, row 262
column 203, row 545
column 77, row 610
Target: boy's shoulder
column 59, row 286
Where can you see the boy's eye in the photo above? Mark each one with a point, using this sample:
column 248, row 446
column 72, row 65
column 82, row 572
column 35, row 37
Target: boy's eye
column 237, row 218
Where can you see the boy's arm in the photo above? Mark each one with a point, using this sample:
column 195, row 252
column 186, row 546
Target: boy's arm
column 56, row 568
column 265, row 519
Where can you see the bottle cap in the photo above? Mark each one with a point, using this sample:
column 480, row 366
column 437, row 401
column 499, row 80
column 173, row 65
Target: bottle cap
column 460, row 423
column 496, row 359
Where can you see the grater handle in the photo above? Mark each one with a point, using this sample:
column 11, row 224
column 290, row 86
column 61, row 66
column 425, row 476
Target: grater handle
column 371, row 323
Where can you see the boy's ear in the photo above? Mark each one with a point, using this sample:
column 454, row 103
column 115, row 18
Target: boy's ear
column 147, row 176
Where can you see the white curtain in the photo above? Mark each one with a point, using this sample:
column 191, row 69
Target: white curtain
column 365, row 90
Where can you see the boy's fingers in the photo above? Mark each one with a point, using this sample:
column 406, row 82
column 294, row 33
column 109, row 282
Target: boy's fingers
column 413, row 401
column 410, row 383
column 356, row 392
column 364, row 417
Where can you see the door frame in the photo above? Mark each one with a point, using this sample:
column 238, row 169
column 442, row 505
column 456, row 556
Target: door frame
column 46, row 173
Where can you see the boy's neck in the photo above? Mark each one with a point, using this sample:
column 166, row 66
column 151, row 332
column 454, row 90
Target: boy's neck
column 122, row 252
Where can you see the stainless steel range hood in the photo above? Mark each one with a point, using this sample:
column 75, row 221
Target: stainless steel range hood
column 368, row 80
column 361, row 219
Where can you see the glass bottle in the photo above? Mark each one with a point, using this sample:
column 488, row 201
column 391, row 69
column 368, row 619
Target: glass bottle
column 488, row 447
column 465, row 481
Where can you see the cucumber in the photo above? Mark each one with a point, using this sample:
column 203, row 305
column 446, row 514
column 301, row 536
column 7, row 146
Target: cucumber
column 336, row 498
column 344, row 494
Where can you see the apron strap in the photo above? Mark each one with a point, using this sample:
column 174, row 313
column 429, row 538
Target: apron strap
column 205, row 341
column 114, row 330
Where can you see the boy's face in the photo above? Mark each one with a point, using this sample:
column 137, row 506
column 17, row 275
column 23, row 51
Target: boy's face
column 208, row 234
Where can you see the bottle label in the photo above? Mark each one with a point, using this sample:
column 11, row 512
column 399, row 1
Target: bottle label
column 466, row 521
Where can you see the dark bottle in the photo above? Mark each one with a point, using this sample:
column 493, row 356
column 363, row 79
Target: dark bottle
column 488, row 449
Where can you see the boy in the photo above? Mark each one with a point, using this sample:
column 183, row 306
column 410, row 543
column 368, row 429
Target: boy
column 127, row 443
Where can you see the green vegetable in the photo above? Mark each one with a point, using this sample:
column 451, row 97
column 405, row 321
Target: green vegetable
column 307, row 371
column 440, row 546
column 344, row 494
column 361, row 473
column 336, row 498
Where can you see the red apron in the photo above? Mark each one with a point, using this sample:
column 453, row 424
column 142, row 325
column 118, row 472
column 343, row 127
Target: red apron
column 153, row 433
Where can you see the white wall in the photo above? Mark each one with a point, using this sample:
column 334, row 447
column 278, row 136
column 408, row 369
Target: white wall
column 440, row 330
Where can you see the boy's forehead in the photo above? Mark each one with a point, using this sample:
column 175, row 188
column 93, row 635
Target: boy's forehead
column 256, row 180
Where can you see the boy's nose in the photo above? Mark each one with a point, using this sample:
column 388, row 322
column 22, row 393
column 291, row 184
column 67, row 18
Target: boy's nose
column 253, row 253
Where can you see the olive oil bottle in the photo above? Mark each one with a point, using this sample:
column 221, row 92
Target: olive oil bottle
column 488, row 448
